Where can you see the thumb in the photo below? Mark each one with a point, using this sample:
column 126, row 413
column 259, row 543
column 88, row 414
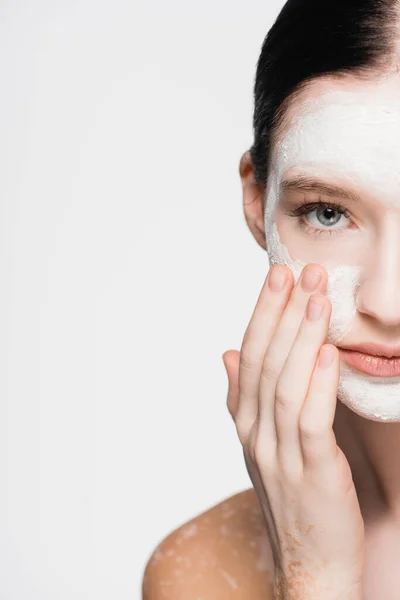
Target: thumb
column 231, row 360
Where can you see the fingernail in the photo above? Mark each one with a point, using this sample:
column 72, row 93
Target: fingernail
column 277, row 279
column 310, row 280
column 325, row 357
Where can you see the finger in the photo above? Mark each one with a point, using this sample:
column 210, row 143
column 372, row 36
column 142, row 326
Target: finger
column 294, row 381
column 231, row 361
column 279, row 349
column 260, row 330
column 317, row 438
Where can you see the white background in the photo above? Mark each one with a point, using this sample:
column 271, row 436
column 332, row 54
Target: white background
column 127, row 269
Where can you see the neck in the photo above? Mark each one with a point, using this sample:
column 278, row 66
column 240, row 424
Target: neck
column 372, row 449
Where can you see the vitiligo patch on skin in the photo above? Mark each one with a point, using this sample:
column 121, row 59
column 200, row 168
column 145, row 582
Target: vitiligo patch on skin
column 232, row 582
column 355, row 134
column 190, row 530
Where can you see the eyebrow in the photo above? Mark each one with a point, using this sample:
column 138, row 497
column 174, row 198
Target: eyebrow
column 307, row 183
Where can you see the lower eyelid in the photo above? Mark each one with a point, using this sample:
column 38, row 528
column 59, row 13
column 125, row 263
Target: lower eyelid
column 319, row 230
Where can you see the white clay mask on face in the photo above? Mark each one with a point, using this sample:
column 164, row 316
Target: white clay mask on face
column 356, row 134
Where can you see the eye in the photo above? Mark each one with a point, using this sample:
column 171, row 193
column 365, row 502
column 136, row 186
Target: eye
column 325, row 215
column 322, row 217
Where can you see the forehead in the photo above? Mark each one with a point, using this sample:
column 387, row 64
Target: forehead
column 344, row 127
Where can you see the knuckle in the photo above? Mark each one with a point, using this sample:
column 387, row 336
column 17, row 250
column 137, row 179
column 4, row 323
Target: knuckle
column 247, row 361
column 310, row 431
column 263, row 455
column 268, row 371
column 281, row 398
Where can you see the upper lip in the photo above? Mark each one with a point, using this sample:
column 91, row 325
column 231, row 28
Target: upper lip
column 374, row 349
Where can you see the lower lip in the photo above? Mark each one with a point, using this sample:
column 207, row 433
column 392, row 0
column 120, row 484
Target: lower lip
column 371, row 365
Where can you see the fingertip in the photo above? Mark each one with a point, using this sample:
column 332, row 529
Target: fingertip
column 326, row 356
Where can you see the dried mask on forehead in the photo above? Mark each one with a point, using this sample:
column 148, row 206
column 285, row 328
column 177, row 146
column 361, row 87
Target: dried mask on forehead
column 356, row 135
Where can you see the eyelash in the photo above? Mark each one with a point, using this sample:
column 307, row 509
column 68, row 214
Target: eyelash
column 308, row 207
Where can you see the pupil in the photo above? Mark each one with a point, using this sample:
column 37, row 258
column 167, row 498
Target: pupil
column 327, row 216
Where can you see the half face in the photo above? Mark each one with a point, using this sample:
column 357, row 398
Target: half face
column 333, row 198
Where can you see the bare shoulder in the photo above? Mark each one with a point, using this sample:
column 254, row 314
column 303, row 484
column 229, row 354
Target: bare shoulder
column 222, row 553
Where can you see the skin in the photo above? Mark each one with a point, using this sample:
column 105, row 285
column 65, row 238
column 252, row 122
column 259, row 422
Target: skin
column 299, row 442
column 377, row 318
column 349, row 139
column 302, row 480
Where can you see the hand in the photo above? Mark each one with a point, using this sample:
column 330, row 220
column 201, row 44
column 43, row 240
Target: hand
column 283, row 404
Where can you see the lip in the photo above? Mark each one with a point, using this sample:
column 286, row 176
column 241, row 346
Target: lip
column 369, row 364
column 374, row 349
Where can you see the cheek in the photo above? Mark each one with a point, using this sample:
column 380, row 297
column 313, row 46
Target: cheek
column 341, row 291
column 341, row 288
column 343, row 244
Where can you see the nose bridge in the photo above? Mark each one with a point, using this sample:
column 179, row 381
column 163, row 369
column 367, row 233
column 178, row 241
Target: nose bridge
column 379, row 291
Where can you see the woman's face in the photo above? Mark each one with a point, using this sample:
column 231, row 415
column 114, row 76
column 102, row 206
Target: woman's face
column 340, row 145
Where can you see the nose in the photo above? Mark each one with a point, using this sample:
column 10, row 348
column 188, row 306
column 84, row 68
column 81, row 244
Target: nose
column 378, row 293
